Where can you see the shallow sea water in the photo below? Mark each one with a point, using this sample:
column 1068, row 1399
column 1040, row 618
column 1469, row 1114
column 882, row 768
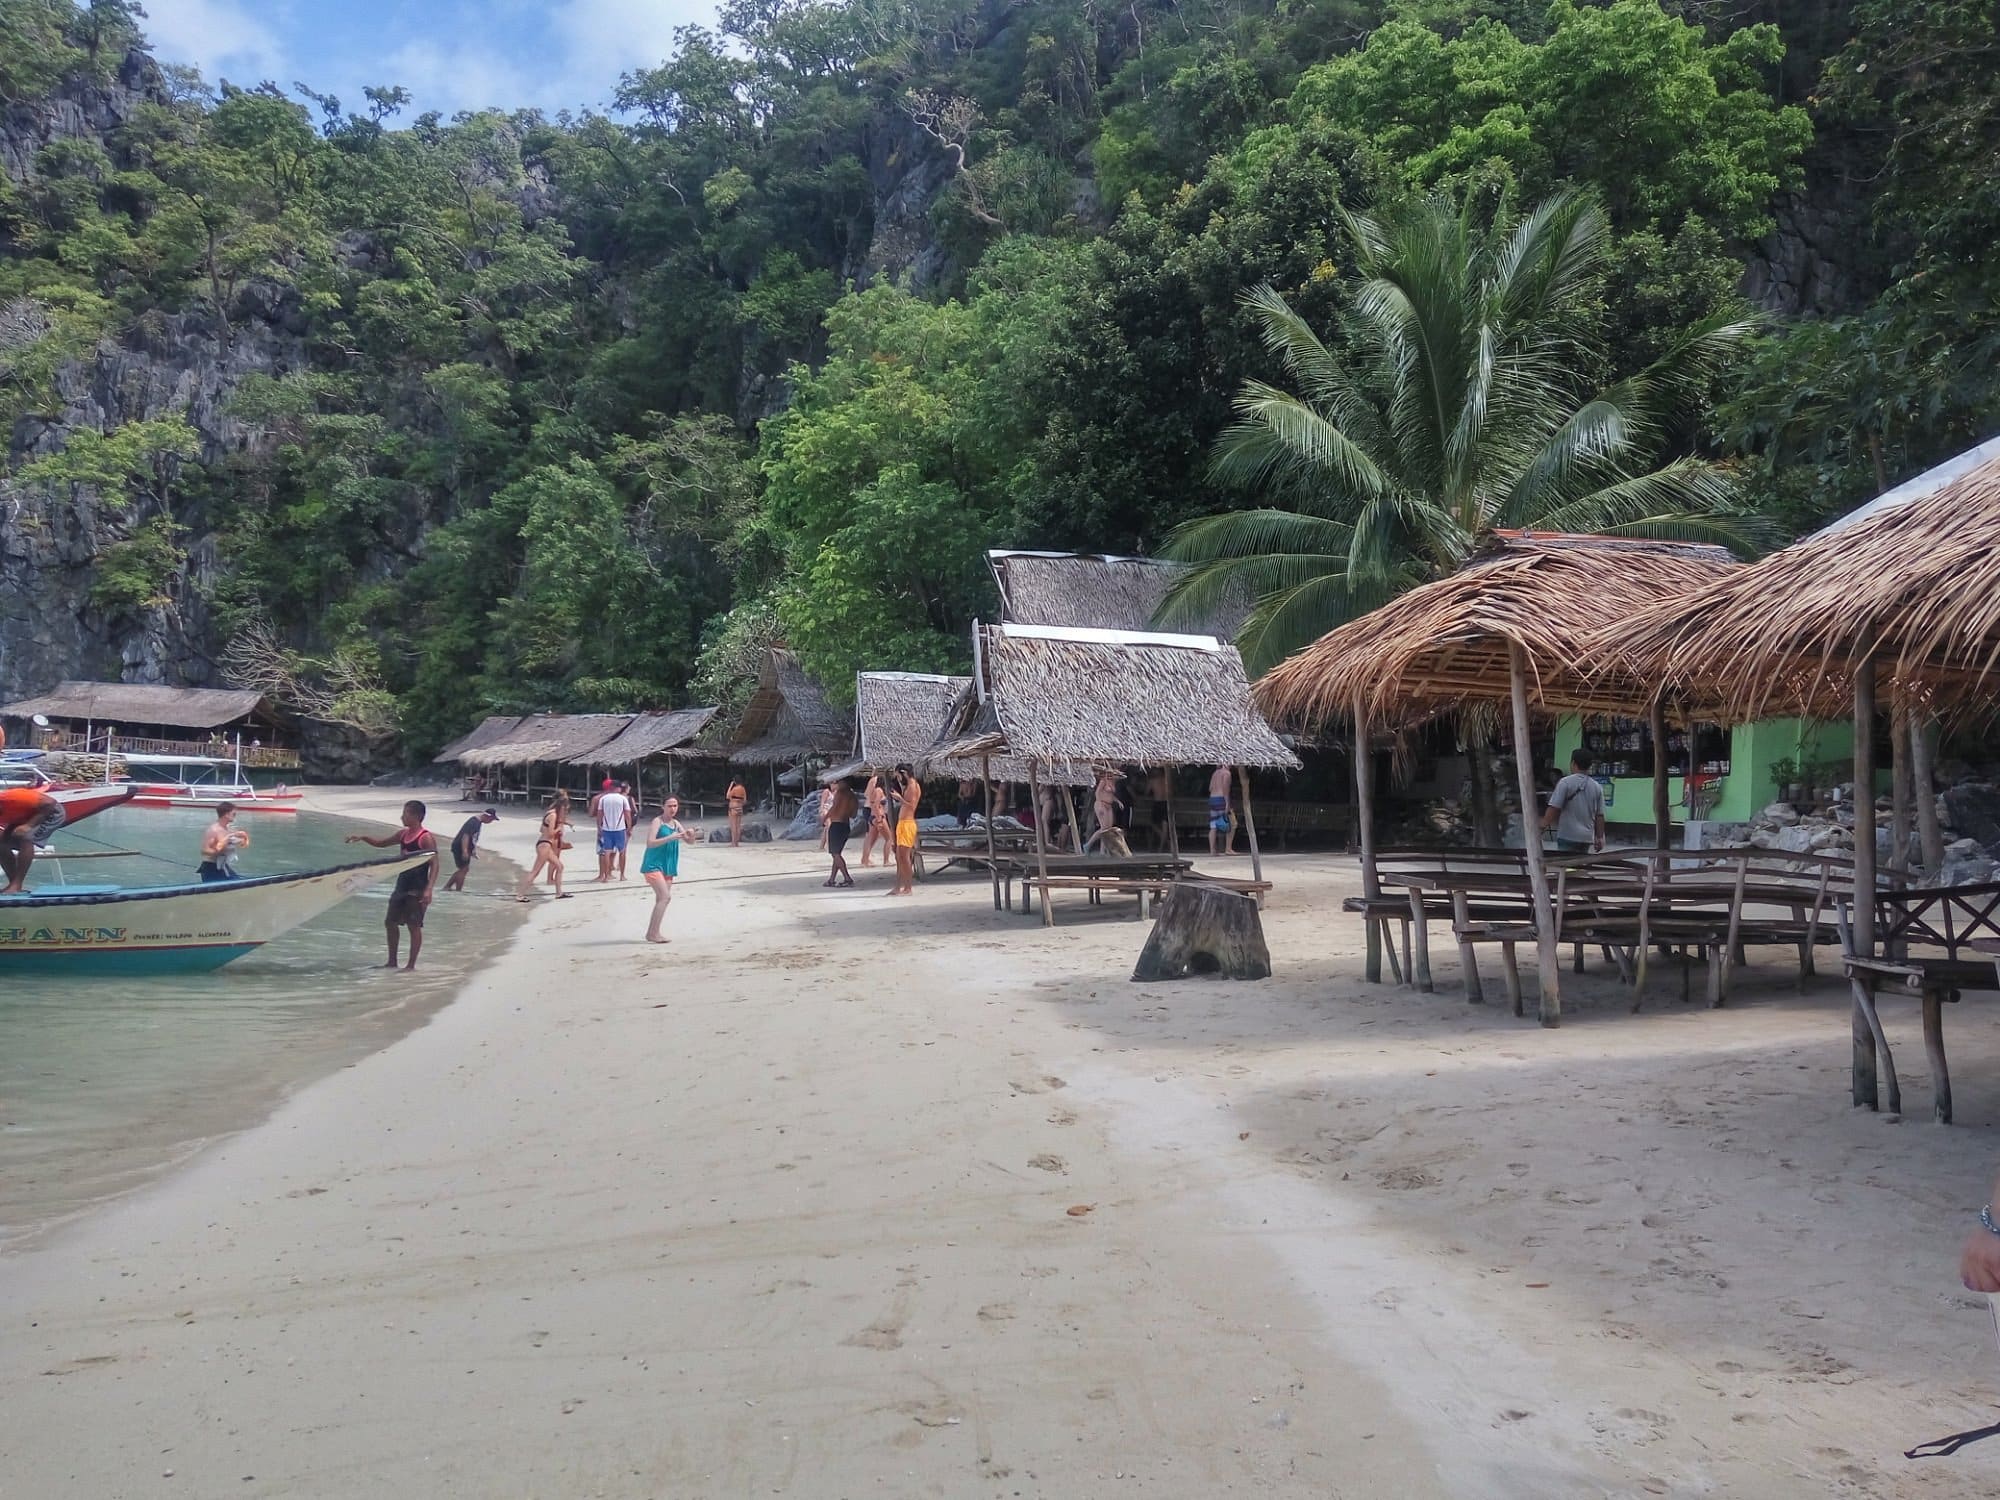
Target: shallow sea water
column 104, row 1083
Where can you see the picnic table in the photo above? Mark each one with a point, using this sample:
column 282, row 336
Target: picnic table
column 1140, row 875
column 1629, row 902
column 1933, row 943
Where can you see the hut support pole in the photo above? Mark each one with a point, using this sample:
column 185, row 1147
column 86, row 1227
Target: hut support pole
column 1041, row 844
column 1923, row 773
column 1173, row 831
column 1865, row 1087
column 1900, row 783
column 1069, row 811
column 1663, row 827
column 1250, row 827
column 992, row 857
column 1364, row 821
column 1531, row 836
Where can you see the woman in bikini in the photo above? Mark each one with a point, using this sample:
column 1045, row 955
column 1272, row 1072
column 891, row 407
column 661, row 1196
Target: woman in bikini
column 549, row 845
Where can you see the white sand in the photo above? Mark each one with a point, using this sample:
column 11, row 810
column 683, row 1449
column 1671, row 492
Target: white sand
column 781, row 1209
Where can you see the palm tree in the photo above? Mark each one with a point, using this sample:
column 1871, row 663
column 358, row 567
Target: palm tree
column 1458, row 404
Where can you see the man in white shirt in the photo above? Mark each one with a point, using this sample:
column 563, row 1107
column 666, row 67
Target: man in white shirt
column 1576, row 809
column 614, row 824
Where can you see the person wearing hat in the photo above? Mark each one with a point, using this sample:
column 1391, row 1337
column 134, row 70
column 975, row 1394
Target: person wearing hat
column 465, row 846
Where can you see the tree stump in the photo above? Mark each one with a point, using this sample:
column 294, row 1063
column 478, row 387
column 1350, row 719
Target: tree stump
column 1205, row 932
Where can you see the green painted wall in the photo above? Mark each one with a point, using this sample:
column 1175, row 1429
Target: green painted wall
column 1753, row 750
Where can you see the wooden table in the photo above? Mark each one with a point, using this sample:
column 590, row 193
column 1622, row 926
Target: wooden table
column 1140, row 874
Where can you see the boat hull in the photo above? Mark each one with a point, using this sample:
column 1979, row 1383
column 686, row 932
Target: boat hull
column 175, row 929
column 263, row 802
column 80, row 802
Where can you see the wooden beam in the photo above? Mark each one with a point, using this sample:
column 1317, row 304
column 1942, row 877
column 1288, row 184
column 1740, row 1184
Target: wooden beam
column 1041, row 843
column 1250, row 827
column 1069, row 813
column 1900, row 783
column 1531, row 837
column 1663, row 827
column 1864, row 1080
column 1364, row 819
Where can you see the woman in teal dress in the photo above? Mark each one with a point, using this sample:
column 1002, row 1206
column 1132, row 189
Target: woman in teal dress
column 662, row 863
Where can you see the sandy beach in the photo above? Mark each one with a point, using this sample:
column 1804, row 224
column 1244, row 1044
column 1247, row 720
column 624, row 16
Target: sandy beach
column 838, row 1195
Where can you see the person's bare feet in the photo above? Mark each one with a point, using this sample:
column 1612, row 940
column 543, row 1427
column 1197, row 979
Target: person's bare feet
column 410, row 967
column 389, row 965
column 659, row 940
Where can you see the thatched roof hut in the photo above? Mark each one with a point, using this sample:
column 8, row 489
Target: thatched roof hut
column 1076, row 698
column 1451, row 641
column 897, row 717
column 1911, row 580
column 653, row 734
column 968, row 721
column 549, row 738
column 490, row 731
column 788, row 718
column 136, row 703
column 1097, row 591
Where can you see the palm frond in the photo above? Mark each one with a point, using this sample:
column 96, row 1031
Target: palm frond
column 1298, row 436
column 1254, row 534
column 1685, row 487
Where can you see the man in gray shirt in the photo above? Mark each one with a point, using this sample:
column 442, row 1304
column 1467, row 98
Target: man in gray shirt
column 1576, row 809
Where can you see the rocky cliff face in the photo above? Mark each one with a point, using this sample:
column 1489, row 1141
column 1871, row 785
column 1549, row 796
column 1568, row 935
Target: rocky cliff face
column 185, row 363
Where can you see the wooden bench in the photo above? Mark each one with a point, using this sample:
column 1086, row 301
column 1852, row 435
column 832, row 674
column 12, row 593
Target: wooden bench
column 1933, row 943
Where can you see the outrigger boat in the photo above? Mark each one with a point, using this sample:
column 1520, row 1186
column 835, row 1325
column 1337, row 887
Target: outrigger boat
column 170, row 929
column 199, row 781
column 79, row 799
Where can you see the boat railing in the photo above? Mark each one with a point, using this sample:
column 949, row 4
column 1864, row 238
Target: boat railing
column 261, row 757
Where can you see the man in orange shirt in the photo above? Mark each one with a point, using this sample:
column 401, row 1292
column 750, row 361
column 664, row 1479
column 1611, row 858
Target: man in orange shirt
column 28, row 815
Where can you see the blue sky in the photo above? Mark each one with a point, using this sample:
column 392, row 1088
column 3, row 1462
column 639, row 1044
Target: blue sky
column 450, row 54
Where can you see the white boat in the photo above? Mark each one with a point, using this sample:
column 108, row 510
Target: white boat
column 170, row 929
column 201, row 781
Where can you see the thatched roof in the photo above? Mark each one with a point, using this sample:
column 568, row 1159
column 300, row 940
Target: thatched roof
column 489, row 731
column 1074, row 698
column 968, row 721
column 1912, row 578
column 897, row 716
column 141, row 703
column 549, row 737
column 652, row 734
column 1097, row 592
column 1447, row 642
column 788, row 718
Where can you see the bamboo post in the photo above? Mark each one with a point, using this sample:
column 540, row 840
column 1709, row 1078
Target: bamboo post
column 1531, row 837
column 1173, row 831
column 1069, row 816
column 1250, row 827
column 1364, row 818
column 1923, row 777
column 992, row 856
column 1663, row 828
column 1041, row 843
column 1900, row 784
column 1865, row 1086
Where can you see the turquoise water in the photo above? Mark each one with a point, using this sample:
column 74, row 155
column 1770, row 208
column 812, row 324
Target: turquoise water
column 104, row 1082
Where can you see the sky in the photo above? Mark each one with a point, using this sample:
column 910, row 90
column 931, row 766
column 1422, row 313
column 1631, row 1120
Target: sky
column 450, row 54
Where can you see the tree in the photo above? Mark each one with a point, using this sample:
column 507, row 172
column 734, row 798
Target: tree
column 1454, row 408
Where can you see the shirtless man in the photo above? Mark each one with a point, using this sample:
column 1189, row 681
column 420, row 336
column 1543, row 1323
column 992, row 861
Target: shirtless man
column 1221, row 821
column 28, row 815
column 909, row 795
column 219, row 846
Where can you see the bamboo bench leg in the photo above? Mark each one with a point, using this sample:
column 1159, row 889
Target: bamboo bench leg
column 1513, row 969
column 1421, row 955
column 1468, row 957
column 1934, row 1046
column 1718, row 963
column 1577, row 962
column 1873, row 1062
column 1409, row 958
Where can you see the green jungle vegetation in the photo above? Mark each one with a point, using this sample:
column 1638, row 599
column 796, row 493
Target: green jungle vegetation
column 583, row 412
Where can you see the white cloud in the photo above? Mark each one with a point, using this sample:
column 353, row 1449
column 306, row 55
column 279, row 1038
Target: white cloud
column 223, row 38
column 449, row 79
column 603, row 38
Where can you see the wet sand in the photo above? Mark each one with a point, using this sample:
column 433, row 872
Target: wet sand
column 784, row 1207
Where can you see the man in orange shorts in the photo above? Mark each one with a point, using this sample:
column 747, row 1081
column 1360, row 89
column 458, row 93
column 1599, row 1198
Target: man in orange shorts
column 909, row 792
column 28, row 815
